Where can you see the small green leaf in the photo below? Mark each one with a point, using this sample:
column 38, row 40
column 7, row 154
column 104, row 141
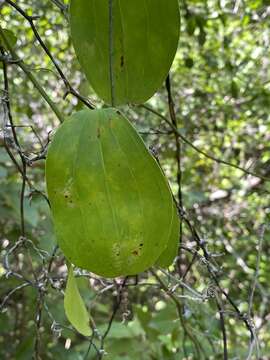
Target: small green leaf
column 10, row 37
column 75, row 309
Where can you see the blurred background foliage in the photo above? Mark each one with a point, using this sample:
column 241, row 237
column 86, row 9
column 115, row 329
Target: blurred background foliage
column 221, row 89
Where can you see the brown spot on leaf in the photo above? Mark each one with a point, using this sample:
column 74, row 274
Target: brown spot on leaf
column 135, row 252
column 98, row 132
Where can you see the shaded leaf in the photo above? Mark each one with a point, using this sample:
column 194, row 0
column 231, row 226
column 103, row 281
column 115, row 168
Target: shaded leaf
column 122, row 64
column 10, row 37
column 75, row 309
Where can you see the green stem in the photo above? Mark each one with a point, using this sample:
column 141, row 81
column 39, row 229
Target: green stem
column 31, row 77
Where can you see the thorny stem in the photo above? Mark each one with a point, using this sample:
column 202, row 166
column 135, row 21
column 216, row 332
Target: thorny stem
column 189, row 143
column 201, row 244
column 223, row 328
column 178, row 155
column 180, row 313
column 115, row 310
column 31, row 77
column 70, row 89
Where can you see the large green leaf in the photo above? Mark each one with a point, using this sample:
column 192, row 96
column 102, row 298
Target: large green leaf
column 75, row 309
column 125, row 56
column 112, row 207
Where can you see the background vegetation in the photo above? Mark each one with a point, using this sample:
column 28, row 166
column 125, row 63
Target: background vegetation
column 210, row 129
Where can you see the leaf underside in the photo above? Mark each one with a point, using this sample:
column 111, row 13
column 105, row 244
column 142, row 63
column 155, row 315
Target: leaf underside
column 112, row 207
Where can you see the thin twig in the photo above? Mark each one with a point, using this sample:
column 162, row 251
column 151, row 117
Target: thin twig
column 116, row 308
column 256, row 275
column 223, row 328
column 31, row 77
column 178, row 155
column 8, row 296
column 31, row 19
column 213, row 158
column 178, row 305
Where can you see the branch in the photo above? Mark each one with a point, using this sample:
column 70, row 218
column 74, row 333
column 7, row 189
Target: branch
column 213, row 158
column 31, row 19
column 31, row 77
column 223, row 329
column 11, row 292
column 178, row 155
column 179, row 311
column 116, row 308
column 256, row 275
column 61, row 6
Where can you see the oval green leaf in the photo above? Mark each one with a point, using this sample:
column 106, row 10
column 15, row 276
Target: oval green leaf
column 126, row 52
column 75, row 309
column 112, row 206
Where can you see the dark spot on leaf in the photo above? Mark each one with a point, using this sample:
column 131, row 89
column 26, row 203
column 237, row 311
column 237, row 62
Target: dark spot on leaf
column 122, row 61
column 118, row 112
column 98, row 132
column 66, row 196
column 135, row 252
column 141, row 244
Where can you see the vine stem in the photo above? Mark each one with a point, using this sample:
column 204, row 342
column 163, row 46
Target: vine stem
column 178, row 158
column 179, row 309
column 31, row 77
column 194, row 147
column 31, row 21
